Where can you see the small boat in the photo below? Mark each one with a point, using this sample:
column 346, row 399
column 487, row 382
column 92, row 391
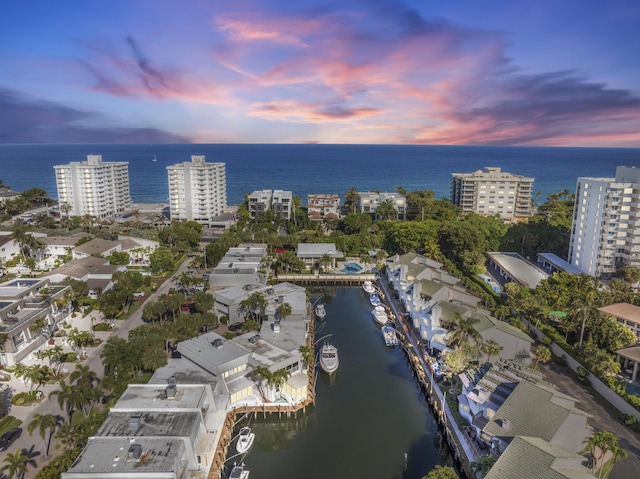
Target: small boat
column 369, row 287
column 374, row 299
column 329, row 358
column 245, row 440
column 380, row 315
column 238, row 472
column 154, row 158
column 389, row 335
column 320, row 311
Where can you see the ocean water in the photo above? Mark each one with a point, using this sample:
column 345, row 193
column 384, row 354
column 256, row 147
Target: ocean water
column 306, row 169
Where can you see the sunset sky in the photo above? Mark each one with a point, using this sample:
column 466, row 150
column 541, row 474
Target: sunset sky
column 477, row 72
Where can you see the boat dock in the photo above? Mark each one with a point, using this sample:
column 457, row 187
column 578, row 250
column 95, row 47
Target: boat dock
column 318, row 279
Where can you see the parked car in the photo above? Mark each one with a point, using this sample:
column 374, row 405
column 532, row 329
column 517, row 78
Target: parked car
column 9, row 437
column 235, row 327
column 139, row 294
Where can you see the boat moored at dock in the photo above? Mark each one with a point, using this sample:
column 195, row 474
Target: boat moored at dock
column 369, row 287
column 329, row 358
column 239, row 472
column 380, row 314
column 245, row 440
column 389, row 335
column 320, row 311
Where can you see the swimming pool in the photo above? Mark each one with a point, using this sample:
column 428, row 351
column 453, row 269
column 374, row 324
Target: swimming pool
column 351, row 268
column 633, row 389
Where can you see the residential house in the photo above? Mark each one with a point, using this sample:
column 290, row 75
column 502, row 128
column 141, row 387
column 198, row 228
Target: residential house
column 239, row 266
column 7, row 194
column 529, row 457
column 96, row 272
column 370, row 200
column 625, row 314
column 8, row 247
column 320, row 206
column 312, row 254
column 538, row 411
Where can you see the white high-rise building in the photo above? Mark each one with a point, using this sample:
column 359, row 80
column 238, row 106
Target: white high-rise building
column 493, row 192
column 605, row 234
column 197, row 190
column 93, row 188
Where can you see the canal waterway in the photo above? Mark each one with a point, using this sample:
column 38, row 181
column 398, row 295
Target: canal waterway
column 367, row 417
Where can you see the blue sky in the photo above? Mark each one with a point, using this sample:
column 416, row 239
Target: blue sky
column 498, row 72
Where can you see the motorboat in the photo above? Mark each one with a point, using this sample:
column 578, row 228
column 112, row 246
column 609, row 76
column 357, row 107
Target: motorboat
column 389, row 335
column 320, row 311
column 374, row 299
column 245, row 440
column 380, row 315
column 329, row 358
column 238, row 472
column 369, row 287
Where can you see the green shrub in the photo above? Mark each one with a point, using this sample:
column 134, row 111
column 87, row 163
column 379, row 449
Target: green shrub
column 69, row 358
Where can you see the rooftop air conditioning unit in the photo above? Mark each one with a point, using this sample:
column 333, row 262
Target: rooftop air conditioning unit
column 135, row 451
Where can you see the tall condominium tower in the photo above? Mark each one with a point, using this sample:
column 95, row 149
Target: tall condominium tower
column 93, row 188
column 492, row 192
column 197, row 190
column 605, row 234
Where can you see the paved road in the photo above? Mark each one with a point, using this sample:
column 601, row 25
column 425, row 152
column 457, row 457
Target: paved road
column 33, row 446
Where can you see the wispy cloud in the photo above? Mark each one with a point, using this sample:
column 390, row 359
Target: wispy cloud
column 25, row 120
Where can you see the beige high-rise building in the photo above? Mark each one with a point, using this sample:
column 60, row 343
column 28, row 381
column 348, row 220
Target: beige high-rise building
column 493, row 192
column 197, row 190
column 93, row 187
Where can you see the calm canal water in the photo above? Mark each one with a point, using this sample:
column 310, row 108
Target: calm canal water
column 364, row 420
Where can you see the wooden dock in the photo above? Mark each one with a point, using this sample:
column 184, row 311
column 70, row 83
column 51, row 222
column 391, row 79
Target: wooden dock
column 318, row 279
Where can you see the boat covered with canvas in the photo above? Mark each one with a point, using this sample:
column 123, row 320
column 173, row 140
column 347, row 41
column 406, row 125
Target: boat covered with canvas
column 380, row 314
column 329, row 358
column 239, row 472
column 369, row 287
column 389, row 335
column 320, row 311
column 374, row 299
column 245, row 440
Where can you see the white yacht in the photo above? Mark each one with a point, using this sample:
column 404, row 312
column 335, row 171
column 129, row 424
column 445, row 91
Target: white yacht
column 368, row 287
column 329, row 358
column 380, row 315
column 245, row 440
column 320, row 311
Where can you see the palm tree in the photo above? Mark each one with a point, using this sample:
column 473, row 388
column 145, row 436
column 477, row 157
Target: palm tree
column 386, row 211
column 351, row 198
column 265, row 375
column 463, row 330
column 279, row 379
column 491, row 348
column 483, row 464
column 284, row 310
column 326, row 260
column 67, row 398
column 542, row 354
column 307, row 354
column 15, row 463
column 584, row 305
column 602, row 442
column 43, row 422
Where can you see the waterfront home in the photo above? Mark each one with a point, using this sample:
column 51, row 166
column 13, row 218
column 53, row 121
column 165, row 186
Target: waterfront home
column 485, row 389
column 58, row 249
column 228, row 301
column 534, row 410
column 22, row 302
column 7, row 194
column 532, row 458
column 313, row 253
column 241, row 265
column 166, row 429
